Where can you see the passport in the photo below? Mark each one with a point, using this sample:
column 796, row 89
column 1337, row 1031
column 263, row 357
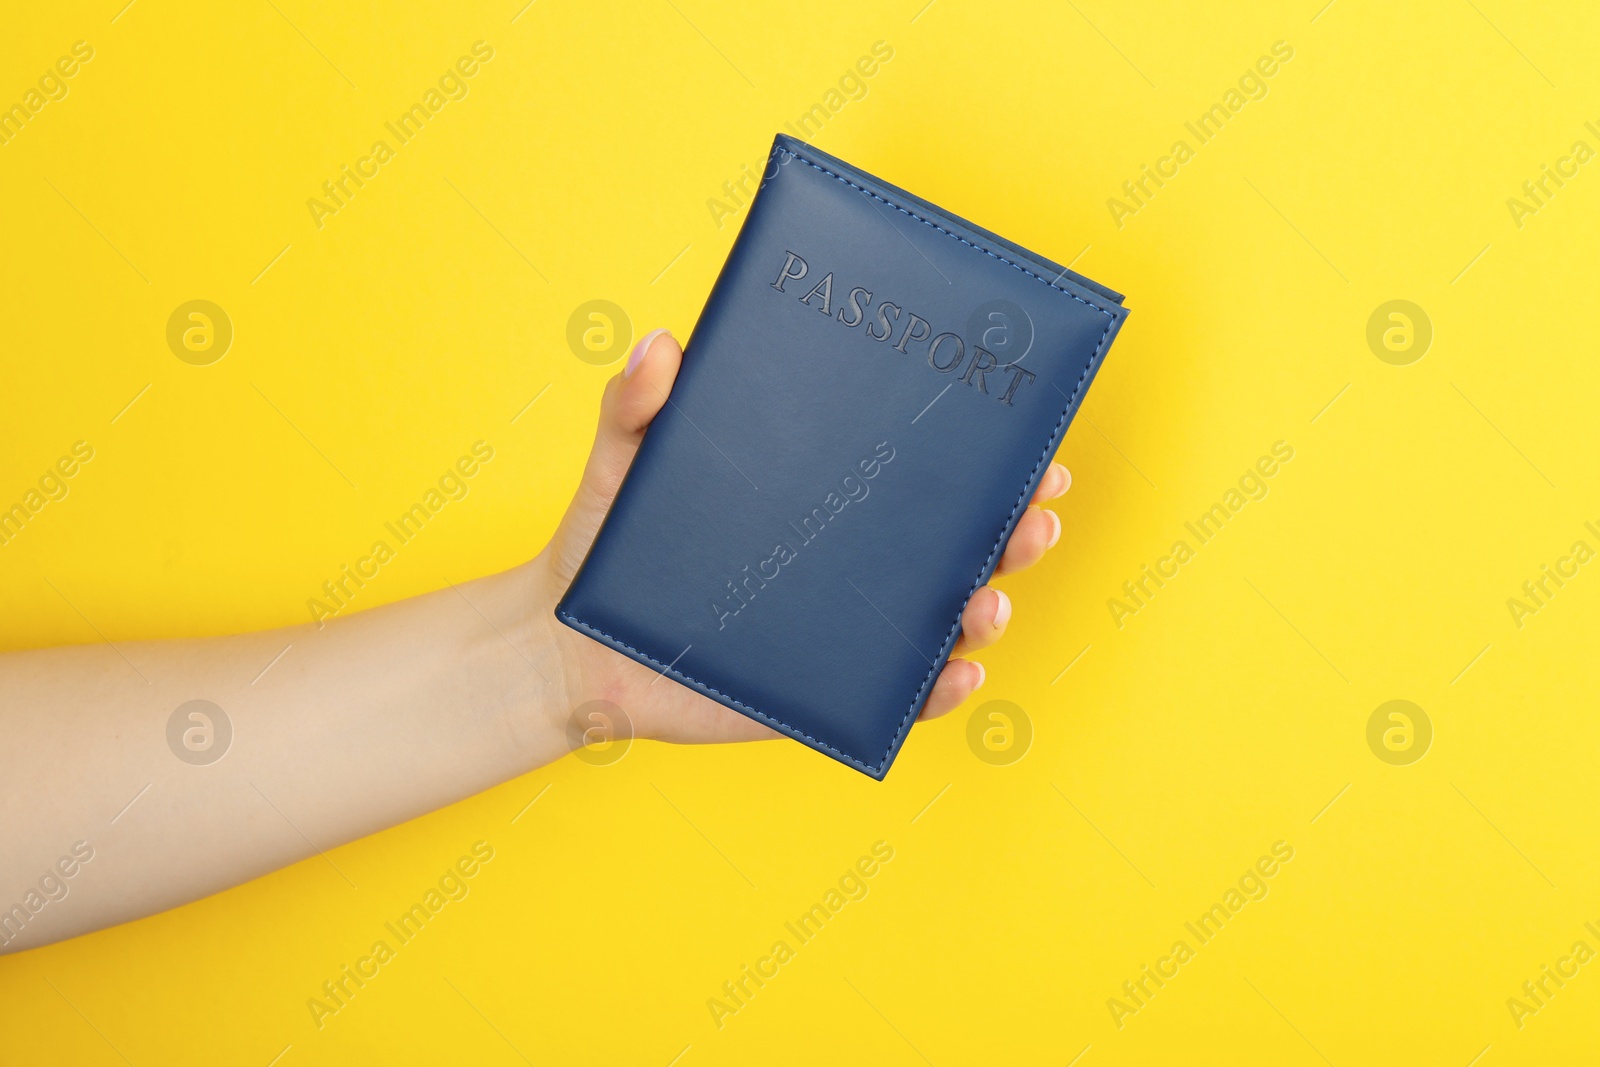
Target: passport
column 866, row 405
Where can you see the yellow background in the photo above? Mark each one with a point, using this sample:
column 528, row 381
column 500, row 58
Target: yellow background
column 1223, row 717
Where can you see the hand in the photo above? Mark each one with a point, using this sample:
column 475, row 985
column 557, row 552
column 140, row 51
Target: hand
column 372, row 719
column 671, row 712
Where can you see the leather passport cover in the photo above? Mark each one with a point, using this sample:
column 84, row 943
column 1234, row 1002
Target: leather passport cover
column 869, row 400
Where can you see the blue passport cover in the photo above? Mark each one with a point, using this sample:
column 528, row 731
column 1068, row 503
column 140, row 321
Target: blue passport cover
column 866, row 405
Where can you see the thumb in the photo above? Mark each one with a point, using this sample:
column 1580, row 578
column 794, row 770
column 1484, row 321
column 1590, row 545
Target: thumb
column 631, row 400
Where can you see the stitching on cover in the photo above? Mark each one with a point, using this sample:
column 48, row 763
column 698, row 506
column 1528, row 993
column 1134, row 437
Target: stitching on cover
column 593, row 632
column 941, row 229
column 1055, row 437
column 1054, row 440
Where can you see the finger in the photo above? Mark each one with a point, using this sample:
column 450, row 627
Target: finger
column 1056, row 481
column 1038, row 530
column 984, row 620
column 959, row 680
column 640, row 391
column 631, row 400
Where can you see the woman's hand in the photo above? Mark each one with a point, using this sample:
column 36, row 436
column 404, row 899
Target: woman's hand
column 337, row 731
column 663, row 710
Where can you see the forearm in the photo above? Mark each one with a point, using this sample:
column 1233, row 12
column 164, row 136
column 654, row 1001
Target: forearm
column 369, row 721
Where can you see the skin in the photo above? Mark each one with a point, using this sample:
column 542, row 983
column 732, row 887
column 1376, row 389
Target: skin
column 365, row 722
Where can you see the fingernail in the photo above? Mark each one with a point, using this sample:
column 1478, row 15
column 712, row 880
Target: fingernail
column 1057, row 474
column 1002, row 614
column 983, row 676
column 1056, row 536
column 640, row 349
